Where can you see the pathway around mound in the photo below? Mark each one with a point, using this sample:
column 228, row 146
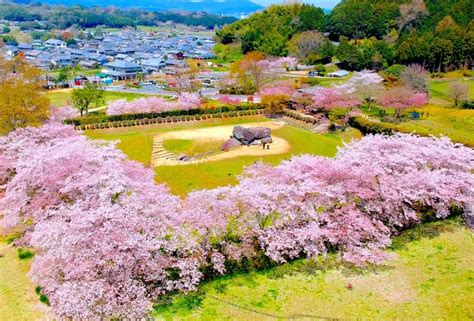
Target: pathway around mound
column 160, row 156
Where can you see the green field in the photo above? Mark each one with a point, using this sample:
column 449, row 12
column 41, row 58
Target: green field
column 18, row 300
column 439, row 90
column 457, row 124
column 61, row 98
column 137, row 144
column 193, row 148
column 431, row 278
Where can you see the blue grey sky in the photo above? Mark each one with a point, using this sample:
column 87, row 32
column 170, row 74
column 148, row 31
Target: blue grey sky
column 329, row 4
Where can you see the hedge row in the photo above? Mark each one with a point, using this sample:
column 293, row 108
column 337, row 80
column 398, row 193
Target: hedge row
column 89, row 120
column 468, row 104
column 167, row 119
column 305, row 118
column 370, row 127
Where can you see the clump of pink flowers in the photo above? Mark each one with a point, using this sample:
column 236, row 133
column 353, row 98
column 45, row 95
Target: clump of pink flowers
column 185, row 101
column 276, row 90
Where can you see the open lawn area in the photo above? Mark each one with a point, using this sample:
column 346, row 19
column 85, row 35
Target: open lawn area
column 191, row 147
column 439, row 90
column 431, row 278
column 62, row 97
column 137, row 144
column 457, row 124
column 18, row 300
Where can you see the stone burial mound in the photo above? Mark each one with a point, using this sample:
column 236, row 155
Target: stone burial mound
column 242, row 136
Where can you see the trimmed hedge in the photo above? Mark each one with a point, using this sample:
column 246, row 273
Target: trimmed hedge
column 89, row 120
column 369, row 127
column 167, row 119
column 468, row 104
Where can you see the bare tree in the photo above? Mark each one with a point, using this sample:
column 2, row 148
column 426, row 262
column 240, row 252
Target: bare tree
column 458, row 91
column 307, row 43
column 409, row 12
column 415, row 78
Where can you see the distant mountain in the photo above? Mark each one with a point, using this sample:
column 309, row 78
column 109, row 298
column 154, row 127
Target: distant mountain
column 223, row 7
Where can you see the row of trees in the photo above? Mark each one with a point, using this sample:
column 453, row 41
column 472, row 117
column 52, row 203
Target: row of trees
column 372, row 34
column 109, row 242
column 185, row 101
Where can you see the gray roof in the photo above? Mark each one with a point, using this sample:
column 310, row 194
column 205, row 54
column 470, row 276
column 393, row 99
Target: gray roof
column 54, row 42
column 122, row 64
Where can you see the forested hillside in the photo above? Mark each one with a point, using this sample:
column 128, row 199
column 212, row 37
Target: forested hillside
column 438, row 34
column 61, row 17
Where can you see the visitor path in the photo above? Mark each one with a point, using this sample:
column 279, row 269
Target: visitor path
column 160, row 156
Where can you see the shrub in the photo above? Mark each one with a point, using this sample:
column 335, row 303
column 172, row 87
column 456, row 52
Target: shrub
column 24, row 254
column 368, row 127
column 395, row 70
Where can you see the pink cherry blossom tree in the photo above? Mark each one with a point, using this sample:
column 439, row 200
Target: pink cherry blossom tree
column 366, row 85
column 402, row 98
column 276, row 90
column 185, row 101
column 329, row 98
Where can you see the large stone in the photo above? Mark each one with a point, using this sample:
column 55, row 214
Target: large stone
column 256, row 142
column 261, row 132
column 238, row 132
column 230, row 143
column 248, row 136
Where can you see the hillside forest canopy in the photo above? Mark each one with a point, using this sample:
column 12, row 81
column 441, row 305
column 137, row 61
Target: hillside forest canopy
column 62, row 17
column 361, row 34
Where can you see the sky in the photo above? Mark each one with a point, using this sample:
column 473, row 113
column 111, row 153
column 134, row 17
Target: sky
column 327, row 4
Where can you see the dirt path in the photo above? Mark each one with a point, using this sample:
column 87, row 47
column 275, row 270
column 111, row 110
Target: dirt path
column 161, row 157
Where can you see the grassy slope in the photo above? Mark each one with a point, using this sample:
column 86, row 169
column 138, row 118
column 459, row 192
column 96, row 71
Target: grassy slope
column 457, row 124
column 431, row 278
column 439, row 90
column 63, row 97
column 18, row 300
column 443, row 119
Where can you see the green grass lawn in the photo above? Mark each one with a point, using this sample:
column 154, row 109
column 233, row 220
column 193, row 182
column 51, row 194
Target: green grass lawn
column 137, row 143
column 431, row 278
column 63, row 98
column 83, row 72
column 457, row 124
column 18, row 300
column 192, row 148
